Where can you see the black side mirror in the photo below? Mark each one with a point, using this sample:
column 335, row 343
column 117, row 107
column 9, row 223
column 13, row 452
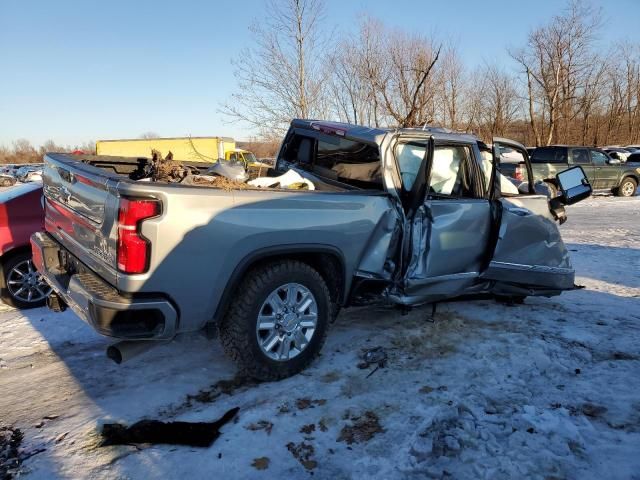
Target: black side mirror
column 573, row 185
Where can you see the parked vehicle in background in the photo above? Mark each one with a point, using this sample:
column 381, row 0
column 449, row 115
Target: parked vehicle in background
column 7, row 180
column 633, row 148
column 29, row 173
column 617, row 152
column 605, row 174
column 194, row 149
column 406, row 216
column 21, row 214
column 634, row 158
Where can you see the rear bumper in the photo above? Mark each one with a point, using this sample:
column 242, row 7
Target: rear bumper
column 98, row 303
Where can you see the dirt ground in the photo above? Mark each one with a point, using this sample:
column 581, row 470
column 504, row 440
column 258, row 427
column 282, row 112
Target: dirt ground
column 548, row 389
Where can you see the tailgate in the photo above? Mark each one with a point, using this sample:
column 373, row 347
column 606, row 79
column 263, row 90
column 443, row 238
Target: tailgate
column 81, row 205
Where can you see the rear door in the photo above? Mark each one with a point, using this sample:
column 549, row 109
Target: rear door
column 581, row 156
column 528, row 252
column 451, row 224
column 606, row 176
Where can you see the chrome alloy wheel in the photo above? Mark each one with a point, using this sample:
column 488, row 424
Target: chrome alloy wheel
column 628, row 189
column 26, row 284
column 287, row 321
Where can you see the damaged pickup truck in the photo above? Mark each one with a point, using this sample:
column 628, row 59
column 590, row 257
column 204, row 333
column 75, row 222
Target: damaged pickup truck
column 404, row 216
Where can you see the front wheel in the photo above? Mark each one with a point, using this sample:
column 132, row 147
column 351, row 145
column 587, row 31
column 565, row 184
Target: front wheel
column 627, row 188
column 277, row 323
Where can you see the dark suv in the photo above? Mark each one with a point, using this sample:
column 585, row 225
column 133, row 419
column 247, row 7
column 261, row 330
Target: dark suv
column 604, row 173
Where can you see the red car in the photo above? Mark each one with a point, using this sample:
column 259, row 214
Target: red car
column 21, row 214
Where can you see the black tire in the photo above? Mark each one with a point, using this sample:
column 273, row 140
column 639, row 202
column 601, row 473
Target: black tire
column 627, row 187
column 7, row 265
column 238, row 327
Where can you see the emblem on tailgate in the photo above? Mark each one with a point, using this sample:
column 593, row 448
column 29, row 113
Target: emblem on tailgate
column 101, row 250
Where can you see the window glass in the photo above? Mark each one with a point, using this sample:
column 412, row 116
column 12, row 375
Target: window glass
column 299, row 150
column 598, row 158
column 450, row 173
column 506, row 185
column 409, row 157
column 549, row 155
column 352, row 162
column 580, row 156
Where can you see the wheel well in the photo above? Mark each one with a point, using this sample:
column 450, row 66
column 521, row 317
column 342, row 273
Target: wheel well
column 632, row 177
column 15, row 251
column 329, row 265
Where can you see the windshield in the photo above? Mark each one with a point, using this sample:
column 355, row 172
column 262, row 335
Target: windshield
column 249, row 157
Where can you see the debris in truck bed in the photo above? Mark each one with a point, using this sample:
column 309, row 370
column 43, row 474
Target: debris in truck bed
column 214, row 181
column 290, row 180
column 160, row 169
column 231, row 170
column 194, row 434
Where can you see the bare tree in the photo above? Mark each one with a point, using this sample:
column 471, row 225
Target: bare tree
column 453, row 84
column 557, row 62
column 282, row 75
column 149, row 135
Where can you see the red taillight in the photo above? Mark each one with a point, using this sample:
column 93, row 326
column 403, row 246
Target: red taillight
column 518, row 175
column 133, row 249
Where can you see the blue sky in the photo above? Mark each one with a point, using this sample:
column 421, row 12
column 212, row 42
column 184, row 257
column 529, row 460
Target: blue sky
column 74, row 71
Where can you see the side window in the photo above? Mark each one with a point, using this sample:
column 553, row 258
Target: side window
column 233, row 157
column 598, row 158
column 351, row 162
column 580, row 156
column 451, row 173
column 549, row 155
column 409, row 157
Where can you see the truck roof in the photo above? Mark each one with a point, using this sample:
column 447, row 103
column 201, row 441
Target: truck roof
column 376, row 134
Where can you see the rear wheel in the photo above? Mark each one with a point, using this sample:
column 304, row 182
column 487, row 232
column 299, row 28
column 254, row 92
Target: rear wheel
column 278, row 323
column 21, row 285
column 627, row 188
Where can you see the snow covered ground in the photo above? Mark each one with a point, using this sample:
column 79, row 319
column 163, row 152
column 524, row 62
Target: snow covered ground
column 549, row 389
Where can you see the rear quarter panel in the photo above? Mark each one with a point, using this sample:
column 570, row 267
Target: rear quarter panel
column 203, row 234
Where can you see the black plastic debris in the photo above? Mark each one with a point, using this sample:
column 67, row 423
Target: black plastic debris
column 193, row 434
column 373, row 356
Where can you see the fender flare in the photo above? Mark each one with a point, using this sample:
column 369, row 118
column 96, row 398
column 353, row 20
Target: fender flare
column 279, row 251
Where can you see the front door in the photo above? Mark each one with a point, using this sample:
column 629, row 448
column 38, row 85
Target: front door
column 450, row 228
column 606, row 176
column 528, row 253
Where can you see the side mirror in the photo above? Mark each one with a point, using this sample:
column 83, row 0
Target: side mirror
column 574, row 185
column 614, row 161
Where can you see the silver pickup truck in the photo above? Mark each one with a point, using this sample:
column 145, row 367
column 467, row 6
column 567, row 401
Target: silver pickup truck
column 408, row 217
